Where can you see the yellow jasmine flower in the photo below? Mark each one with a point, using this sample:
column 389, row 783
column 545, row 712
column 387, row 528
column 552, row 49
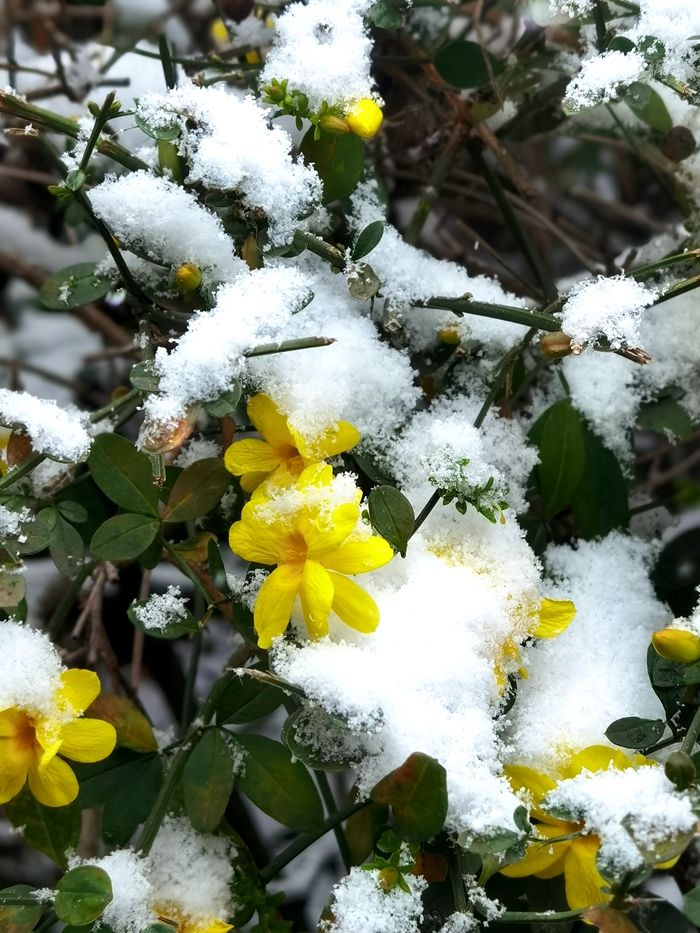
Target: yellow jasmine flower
column 553, row 617
column 574, row 858
column 365, row 118
column 677, row 644
column 183, row 924
column 5, row 434
column 310, row 531
column 283, row 452
column 33, row 746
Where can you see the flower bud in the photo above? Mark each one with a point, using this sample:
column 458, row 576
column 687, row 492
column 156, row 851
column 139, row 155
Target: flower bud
column 188, row 277
column 556, row 346
column 19, row 447
column 250, row 252
column 677, row 644
column 449, row 335
column 158, row 437
column 365, row 118
column 680, row 769
column 678, row 144
column 333, row 124
column 388, row 878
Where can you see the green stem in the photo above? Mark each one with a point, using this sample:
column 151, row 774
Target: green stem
column 21, row 471
column 644, row 272
column 459, row 895
column 331, row 806
column 316, row 245
column 286, row 346
column 691, row 735
column 601, row 27
column 687, row 285
column 188, row 700
column 459, row 306
column 17, row 900
column 162, row 803
column 526, row 916
column 303, row 842
column 426, row 510
column 101, row 119
column 65, row 603
column 114, row 406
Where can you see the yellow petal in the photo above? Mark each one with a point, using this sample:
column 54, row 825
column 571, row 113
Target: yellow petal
column 584, row 883
column 364, row 118
column 251, row 456
column 353, row 605
column 359, row 555
column 317, row 474
column 251, row 481
column 254, row 541
column 16, row 756
column 555, row 616
column 535, row 784
column 78, row 689
column 316, row 598
column 541, row 858
column 273, row 605
column 676, row 644
column 340, row 437
column 88, row 740
column 324, row 536
column 54, row 785
column 269, row 422
column 599, row 758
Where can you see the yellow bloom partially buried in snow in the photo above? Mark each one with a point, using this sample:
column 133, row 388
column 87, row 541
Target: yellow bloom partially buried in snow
column 553, row 617
column 574, row 858
column 283, row 452
column 677, row 644
column 311, row 531
column 181, row 923
column 33, row 746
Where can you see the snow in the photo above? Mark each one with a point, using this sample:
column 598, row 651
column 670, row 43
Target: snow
column 129, row 911
column 606, row 308
column 11, row 521
column 198, row 448
column 59, row 433
column 162, row 609
column 31, row 669
column 600, row 78
column 360, row 905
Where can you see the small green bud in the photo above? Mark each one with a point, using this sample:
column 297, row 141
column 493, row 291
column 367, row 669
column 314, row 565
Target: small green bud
column 556, row 346
column 388, row 878
column 680, row 769
column 188, row 277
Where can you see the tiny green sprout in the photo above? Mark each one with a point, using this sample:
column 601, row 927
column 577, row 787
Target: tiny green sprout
column 401, row 861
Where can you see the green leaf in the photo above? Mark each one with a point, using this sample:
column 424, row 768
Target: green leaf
column 648, row 105
column 559, row 436
column 207, row 781
column 74, row 286
column 13, row 586
column 385, row 15
column 316, row 721
column 600, row 503
column 368, row 239
column 691, row 906
column 666, row 681
column 82, row 894
column 278, row 785
column 175, row 628
column 143, row 376
column 112, row 783
column 339, row 161
column 246, row 699
column 38, row 533
column 633, row 732
column 168, row 131
column 72, row 511
column 123, row 474
column 19, row 919
column 197, row 490
column 52, row 830
column 66, row 547
column 417, row 795
column 226, row 403
column 123, row 537
column 463, row 63
column 665, row 416
column 392, row 516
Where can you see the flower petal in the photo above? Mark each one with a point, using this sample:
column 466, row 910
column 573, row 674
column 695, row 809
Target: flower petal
column 353, row 605
column 252, row 540
column 273, row 606
column 54, row 785
column 535, row 784
column 541, row 858
column 360, row 555
column 78, row 689
column 251, row 481
column 323, row 536
column 268, row 421
column 15, row 755
column 88, row 740
column 333, row 441
column 251, row 456
column 584, row 883
column 599, row 758
column 316, row 598
column 554, row 617
column 677, row 644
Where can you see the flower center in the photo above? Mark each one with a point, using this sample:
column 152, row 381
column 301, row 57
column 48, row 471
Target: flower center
column 295, row 548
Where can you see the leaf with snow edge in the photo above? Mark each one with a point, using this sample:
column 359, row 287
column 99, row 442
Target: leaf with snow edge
column 123, row 474
column 74, row 286
column 207, row 781
column 197, row 490
column 82, row 894
column 634, row 732
column 339, row 161
column 464, row 64
column 559, row 436
column 368, row 239
column 279, row 786
column 245, row 700
column 37, row 533
column 646, row 104
column 417, row 794
column 181, row 624
column 124, row 537
column 665, row 416
column 327, row 726
column 167, row 131
column 52, row 830
column 392, row 516
column 143, row 376
column 226, row 403
column 19, row 918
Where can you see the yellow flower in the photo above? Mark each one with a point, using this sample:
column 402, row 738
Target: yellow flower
column 365, row 118
column 32, row 746
column 677, row 644
column 282, row 453
column 574, row 858
column 5, row 434
column 184, row 924
column 554, row 617
column 309, row 530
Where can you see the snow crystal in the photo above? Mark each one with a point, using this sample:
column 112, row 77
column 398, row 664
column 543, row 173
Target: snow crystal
column 323, row 49
column 582, row 681
column 233, row 148
column 11, row 521
column 360, row 905
column 246, row 590
column 31, row 669
column 637, row 813
column 606, row 308
column 129, row 911
column 600, row 78
column 459, row 923
column 57, row 432
column 198, row 448
column 149, row 214
column 162, row 609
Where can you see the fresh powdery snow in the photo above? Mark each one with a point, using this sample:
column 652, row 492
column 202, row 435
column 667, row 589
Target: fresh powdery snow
column 606, row 308
column 131, row 907
column 60, row 433
column 31, row 669
column 600, row 77
column 162, row 609
column 11, row 521
column 323, row 49
column 230, row 146
column 361, row 905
